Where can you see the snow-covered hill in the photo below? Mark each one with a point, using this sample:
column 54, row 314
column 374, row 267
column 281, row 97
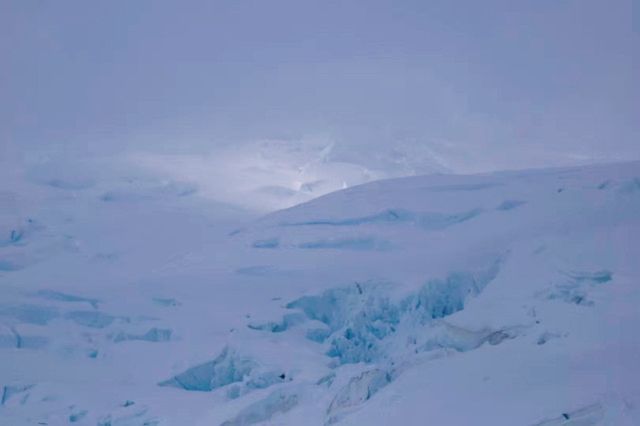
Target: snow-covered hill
column 502, row 299
column 273, row 174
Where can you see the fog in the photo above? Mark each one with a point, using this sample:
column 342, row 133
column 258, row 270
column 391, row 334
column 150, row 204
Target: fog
column 380, row 88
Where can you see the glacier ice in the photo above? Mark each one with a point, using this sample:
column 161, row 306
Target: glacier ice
column 77, row 416
column 19, row 234
column 124, row 418
column 464, row 187
column 359, row 243
column 227, row 368
column 440, row 298
column 92, row 319
column 591, row 415
column 359, row 389
column 288, row 321
column 427, row 220
column 64, row 297
column 166, row 301
column 387, row 216
column 365, row 336
column 318, row 335
column 31, row 314
column 575, row 286
column 631, row 186
column 278, row 402
column 8, row 391
column 8, row 265
column 360, row 317
column 257, row 270
column 510, row 204
column 20, row 341
column 152, row 335
column 15, row 236
column 269, row 243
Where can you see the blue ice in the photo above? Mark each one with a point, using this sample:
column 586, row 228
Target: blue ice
column 360, row 317
column 364, row 243
column 93, row 319
column 153, row 335
column 31, row 314
column 288, row 321
column 510, row 205
column 166, row 302
column 226, row 368
column 263, row 410
column 428, row 221
column 63, row 297
column 10, row 390
column 266, row 244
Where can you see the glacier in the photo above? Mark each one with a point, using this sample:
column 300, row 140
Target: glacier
column 131, row 298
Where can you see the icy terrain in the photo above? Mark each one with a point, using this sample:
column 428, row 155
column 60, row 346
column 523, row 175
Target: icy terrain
column 499, row 299
column 275, row 174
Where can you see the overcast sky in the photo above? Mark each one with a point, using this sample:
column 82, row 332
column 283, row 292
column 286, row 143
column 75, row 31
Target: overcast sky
column 495, row 83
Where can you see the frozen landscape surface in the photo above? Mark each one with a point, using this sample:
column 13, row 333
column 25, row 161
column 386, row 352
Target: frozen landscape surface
column 501, row 299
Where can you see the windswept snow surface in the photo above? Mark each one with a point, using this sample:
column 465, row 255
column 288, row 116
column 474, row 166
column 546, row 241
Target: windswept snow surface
column 499, row 299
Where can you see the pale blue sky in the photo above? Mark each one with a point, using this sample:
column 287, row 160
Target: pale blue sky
column 502, row 83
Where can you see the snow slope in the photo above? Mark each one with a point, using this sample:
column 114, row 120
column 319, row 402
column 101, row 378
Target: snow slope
column 273, row 174
column 503, row 299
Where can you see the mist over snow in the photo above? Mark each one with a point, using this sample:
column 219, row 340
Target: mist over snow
column 324, row 213
column 483, row 86
column 272, row 174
